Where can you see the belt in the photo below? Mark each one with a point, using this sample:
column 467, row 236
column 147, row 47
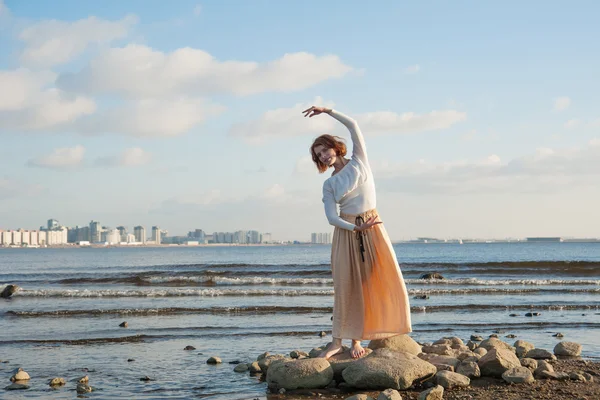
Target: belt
column 359, row 236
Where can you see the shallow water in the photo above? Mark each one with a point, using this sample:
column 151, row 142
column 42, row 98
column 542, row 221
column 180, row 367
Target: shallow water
column 237, row 302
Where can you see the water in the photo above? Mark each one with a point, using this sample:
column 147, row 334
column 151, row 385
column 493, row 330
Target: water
column 237, row 302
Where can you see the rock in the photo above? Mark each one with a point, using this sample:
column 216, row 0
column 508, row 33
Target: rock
column 559, row 335
column 310, row 373
column 441, row 349
column 83, row 379
column 241, row 368
column 444, row 367
column 19, row 375
column 511, row 336
column 146, row 379
column 475, row 358
column 57, row 382
column 124, row 324
column 497, row 361
column 543, row 366
column 435, row 359
column 389, row 394
column 298, row 353
column 421, row 297
column 529, row 363
column 522, row 347
column 533, row 314
column 449, row 380
column 16, row 386
column 341, row 361
column 189, row 348
column 9, row 290
column 359, row 397
column 576, row 376
column 434, row 393
column 495, row 343
column 557, row 376
column 130, row 360
column 401, row 343
column 385, row 369
column 513, row 315
column 480, row 351
column 254, row 367
column 570, row 349
column 518, row 375
column 465, row 355
column 540, row 354
column 588, row 377
column 322, row 333
column 469, row 369
column 432, row 275
column 266, row 362
column 472, row 345
column 214, row 360
column 314, row 353
column 83, row 388
column 263, row 355
column 476, row 338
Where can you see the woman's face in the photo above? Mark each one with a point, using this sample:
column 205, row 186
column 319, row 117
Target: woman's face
column 326, row 155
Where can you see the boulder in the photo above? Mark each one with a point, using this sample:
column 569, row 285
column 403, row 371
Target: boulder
column 557, row 376
column 529, row 363
column 449, row 380
column 434, row 393
column 214, row 360
column 241, row 368
column 522, row 347
column 254, row 367
column 518, row 375
column 543, row 366
column 9, row 290
column 540, row 354
column 385, row 369
column 57, row 382
column 19, row 375
column 495, row 343
column 340, row 362
column 16, row 386
column 481, row 351
column 266, row 362
column 432, row 275
column 298, row 354
column 389, row 394
column 309, row 373
column 445, row 360
column 469, row 369
column 569, row 349
column 497, row 361
column 401, row 343
column 441, row 349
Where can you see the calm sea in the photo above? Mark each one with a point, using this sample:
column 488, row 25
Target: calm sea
column 237, row 302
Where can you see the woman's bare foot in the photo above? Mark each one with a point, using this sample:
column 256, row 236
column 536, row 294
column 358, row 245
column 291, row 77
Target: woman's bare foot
column 357, row 350
column 334, row 348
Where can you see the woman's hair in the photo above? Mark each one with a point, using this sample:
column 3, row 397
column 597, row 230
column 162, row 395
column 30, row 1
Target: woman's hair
column 329, row 142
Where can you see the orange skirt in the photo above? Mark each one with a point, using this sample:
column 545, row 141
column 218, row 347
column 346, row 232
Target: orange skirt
column 370, row 297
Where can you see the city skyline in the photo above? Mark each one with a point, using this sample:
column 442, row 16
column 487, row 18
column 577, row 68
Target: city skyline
column 162, row 114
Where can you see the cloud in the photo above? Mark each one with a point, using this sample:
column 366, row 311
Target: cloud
column 11, row 188
column 288, row 122
column 572, row 123
column 132, row 157
column 139, row 71
column 28, row 102
column 413, row 69
column 561, row 103
column 52, row 42
column 150, row 117
column 61, row 158
column 197, row 10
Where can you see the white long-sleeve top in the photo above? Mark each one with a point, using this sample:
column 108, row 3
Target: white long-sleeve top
column 353, row 187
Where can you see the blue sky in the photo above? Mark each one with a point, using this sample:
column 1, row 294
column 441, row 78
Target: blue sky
column 481, row 119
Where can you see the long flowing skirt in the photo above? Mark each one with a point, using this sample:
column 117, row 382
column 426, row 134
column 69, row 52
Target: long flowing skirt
column 370, row 297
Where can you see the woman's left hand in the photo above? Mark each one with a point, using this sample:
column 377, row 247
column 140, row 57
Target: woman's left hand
column 368, row 224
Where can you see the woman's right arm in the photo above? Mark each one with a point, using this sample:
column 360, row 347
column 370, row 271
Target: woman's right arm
column 331, row 211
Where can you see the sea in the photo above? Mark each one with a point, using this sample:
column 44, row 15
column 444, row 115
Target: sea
column 237, row 302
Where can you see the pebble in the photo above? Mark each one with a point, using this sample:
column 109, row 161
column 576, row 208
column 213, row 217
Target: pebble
column 214, row 360
column 124, row 324
column 189, row 348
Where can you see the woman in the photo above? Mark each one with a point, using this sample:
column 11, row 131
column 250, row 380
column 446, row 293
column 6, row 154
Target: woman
column 370, row 298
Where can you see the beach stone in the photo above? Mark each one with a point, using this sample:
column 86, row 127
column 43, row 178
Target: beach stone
column 441, row 349
column 385, row 369
column 540, row 354
column 449, row 380
column 469, row 369
column 444, row 367
column 359, row 397
column 588, row 377
column 9, row 290
column 266, row 362
column 494, row 335
column 529, row 363
column 444, row 341
column 402, row 343
column 436, row 359
column 241, row 368
column 214, row 360
column 498, row 361
column 254, row 367
column 389, row 394
column 57, row 382
column 310, row 373
column 16, row 386
column 20, row 375
column 465, row 355
column 533, row 314
column 434, row 393
column 322, row 333
column 341, row 361
column 263, row 355
column 189, row 348
column 576, row 376
column 557, row 376
column 432, row 275
column 476, row 338
column 480, row 351
column 570, row 349
column 543, row 366
column 510, row 336
column 518, row 375
column 124, row 324
column 475, row 358
column 146, row 379
column 298, row 354
column 522, row 347
column 472, row 345
column 83, row 379
column 559, row 335
column 495, row 343
column 83, row 388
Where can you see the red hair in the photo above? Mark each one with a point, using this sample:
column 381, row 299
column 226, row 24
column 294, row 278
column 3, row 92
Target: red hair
column 329, row 142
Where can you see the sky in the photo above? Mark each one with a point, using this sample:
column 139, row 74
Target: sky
column 481, row 119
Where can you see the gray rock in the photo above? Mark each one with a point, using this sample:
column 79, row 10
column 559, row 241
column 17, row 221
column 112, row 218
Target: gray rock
column 498, row 361
column 254, row 367
column 569, row 349
column 9, row 290
column 310, row 373
column 469, row 369
column 124, row 324
column 241, row 368
column 540, row 354
column 495, row 343
column 389, row 394
column 557, row 376
column 449, row 380
column 576, row 376
column 298, row 353
column 214, row 360
column 263, row 355
column 189, row 348
column 402, row 343
column 16, row 386
column 588, row 377
column 441, row 349
column 385, row 369
column 340, row 362
column 359, row 397
column 543, row 366
column 518, row 375
column 434, row 393
column 529, row 363
column 57, row 382
column 522, row 347
column 266, row 362
column 472, row 345
column 476, row 338
column 83, row 388
column 435, row 359
column 432, row 275
column 481, row 351
column 20, row 375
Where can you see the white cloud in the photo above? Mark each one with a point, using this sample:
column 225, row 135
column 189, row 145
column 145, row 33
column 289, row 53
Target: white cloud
column 140, row 71
column 562, row 103
column 197, row 10
column 11, row 188
column 413, row 69
column 572, row 123
column 132, row 157
column 29, row 102
column 150, row 117
column 409, row 122
column 52, row 42
column 61, row 158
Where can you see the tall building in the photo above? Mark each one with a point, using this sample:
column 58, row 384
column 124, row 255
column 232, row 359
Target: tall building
column 320, row 238
column 140, row 234
column 266, row 237
column 95, row 232
column 156, row 238
column 122, row 233
column 198, row 235
column 254, row 237
column 52, row 224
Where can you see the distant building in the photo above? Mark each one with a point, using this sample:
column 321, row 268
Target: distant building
column 266, row 238
column 320, row 238
column 95, row 232
column 156, row 236
column 52, row 224
column 122, row 233
column 140, row 234
column 544, row 239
